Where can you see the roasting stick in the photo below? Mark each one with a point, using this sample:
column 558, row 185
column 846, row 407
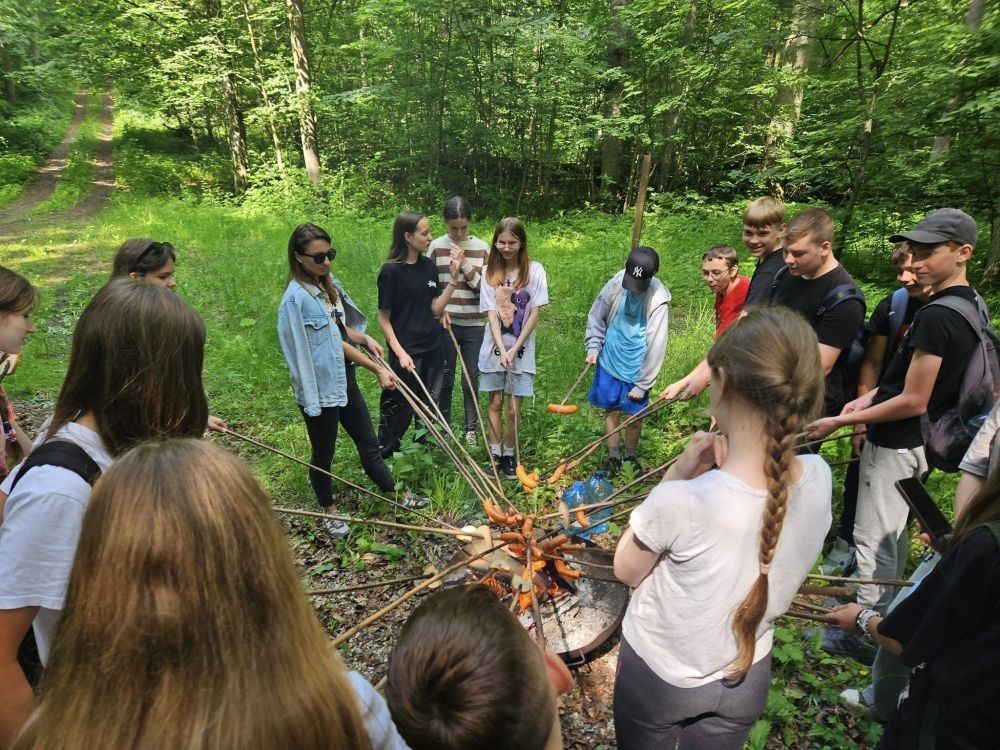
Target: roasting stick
column 576, row 384
column 479, row 414
column 265, row 446
column 653, row 406
column 373, row 585
column 811, row 607
column 351, row 632
column 536, row 613
column 874, row 581
column 805, row 616
column 429, row 418
column 827, row 439
column 377, row 522
column 515, row 411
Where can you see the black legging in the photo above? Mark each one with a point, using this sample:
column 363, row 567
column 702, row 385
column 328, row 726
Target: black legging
column 395, row 413
column 357, row 423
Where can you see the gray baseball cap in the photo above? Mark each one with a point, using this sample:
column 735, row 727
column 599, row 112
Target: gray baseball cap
column 942, row 225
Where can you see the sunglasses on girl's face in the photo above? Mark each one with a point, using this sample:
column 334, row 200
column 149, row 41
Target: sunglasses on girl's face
column 318, row 257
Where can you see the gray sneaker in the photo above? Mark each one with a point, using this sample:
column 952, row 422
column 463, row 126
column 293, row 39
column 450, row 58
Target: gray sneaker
column 859, row 701
column 413, row 501
column 335, row 529
column 470, row 439
column 841, row 560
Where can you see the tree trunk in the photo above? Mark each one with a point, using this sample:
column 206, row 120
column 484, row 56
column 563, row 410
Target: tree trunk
column 613, row 167
column 991, row 269
column 237, row 134
column 668, row 162
column 973, row 20
column 303, row 82
column 268, row 108
column 791, row 90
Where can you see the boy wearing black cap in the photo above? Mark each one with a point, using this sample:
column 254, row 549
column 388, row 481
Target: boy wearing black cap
column 626, row 338
column 914, row 383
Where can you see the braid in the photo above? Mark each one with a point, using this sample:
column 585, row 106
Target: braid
column 780, row 451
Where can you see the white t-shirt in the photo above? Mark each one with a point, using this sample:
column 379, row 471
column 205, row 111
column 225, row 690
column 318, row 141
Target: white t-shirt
column 382, row 733
column 38, row 537
column 512, row 306
column 680, row 618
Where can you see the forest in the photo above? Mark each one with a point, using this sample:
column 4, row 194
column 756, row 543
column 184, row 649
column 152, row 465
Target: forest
column 218, row 125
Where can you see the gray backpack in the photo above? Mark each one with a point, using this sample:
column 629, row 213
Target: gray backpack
column 947, row 438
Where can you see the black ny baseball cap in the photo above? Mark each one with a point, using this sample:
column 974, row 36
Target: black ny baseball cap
column 942, row 225
column 641, row 266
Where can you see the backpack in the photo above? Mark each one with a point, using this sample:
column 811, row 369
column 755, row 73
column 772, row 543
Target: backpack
column 67, row 456
column 947, row 438
column 851, row 356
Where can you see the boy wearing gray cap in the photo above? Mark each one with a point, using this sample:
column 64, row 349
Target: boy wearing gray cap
column 914, row 383
column 626, row 338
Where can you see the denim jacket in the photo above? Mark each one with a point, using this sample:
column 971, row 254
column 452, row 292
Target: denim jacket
column 312, row 345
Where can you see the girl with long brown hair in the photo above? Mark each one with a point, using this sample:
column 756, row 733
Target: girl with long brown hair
column 410, row 302
column 134, row 374
column 716, row 554
column 186, row 616
column 17, row 299
column 514, row 292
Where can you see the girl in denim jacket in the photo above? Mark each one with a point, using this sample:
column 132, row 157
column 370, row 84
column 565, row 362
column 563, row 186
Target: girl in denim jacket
column 319, row 328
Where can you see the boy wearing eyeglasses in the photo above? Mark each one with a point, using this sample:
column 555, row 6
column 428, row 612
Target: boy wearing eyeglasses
column 720, row 269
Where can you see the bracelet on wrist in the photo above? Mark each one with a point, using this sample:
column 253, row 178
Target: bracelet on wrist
column 863, row 622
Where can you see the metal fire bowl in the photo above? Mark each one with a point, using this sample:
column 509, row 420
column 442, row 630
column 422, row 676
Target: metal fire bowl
column 574, row 624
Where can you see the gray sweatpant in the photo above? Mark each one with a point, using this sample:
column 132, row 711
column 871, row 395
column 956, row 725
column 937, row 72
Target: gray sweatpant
column 880, row 522
column 651, row 714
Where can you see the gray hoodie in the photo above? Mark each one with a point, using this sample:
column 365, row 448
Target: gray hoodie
column 606, row 306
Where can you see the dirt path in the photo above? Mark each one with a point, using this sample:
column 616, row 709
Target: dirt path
column 16, row 219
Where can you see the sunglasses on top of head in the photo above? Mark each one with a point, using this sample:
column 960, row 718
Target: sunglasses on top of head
column 318, row 257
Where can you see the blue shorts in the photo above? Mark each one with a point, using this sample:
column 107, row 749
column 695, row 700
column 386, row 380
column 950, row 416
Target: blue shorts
column 608, row 392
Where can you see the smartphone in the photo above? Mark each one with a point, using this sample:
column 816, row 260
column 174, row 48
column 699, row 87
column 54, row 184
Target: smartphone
column 926, row 511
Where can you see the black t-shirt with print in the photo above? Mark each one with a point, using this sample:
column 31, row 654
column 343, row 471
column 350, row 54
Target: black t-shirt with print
column 943, row 333
column 406, row 290
column 878, row 324
column 762, row 280
column 837, row 327
column 951, row 625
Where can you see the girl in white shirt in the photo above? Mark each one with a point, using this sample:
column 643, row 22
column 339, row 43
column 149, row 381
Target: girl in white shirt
column 716, row 554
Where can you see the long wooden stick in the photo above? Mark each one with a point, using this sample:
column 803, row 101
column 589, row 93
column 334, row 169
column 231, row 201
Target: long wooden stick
column 360, row 586
column 653, row 406
column 839, row 592
column 874, row 581
column 479, row 414
column 351, row 632
column 576, row 384
column 377, row 522
column 358, row 487
column 536, row 614
column 812, row 607
column 805, row 616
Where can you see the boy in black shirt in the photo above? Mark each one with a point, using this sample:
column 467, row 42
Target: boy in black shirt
column 818, row 287
column 914, row 382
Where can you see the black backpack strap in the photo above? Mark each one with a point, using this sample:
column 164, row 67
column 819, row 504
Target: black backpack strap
column 60, row 453
column 778, row 276
column 837, row 295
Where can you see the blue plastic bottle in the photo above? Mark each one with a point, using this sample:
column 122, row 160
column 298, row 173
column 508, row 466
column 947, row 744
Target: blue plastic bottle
column 598, row 489
column 574, row 496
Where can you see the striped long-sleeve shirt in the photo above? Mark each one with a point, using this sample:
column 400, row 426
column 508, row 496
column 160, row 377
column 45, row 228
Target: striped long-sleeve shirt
column 464, row 306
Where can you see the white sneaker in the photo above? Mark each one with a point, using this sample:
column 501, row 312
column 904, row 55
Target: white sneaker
column 841, row 560
column 858, row 701
column 470, row 439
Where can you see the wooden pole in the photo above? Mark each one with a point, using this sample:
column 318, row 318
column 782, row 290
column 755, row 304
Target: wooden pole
column 640, row 199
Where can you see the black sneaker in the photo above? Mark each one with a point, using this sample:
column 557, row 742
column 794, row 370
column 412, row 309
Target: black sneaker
column 612, row 466
column 841, row 643
column 507, row 467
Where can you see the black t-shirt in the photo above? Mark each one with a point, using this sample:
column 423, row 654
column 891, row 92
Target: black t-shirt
column 836, row 327
column 762, row 280
column 951, row 624
column 943, row 333
column 878, row 324
column 405, row 291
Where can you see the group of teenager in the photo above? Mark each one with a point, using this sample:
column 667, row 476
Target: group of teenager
column 144, row 569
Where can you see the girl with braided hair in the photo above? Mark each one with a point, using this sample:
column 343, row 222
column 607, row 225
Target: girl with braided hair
column 719, row 548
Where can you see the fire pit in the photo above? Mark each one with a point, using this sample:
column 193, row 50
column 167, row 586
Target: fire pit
column 578, row 615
